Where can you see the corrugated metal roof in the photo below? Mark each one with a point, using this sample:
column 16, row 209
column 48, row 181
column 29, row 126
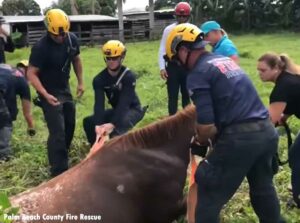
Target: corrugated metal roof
column 73, row 18
column 137, row 11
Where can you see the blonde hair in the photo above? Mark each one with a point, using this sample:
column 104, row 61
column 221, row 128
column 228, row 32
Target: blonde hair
column 282, row 61
column 224, row 33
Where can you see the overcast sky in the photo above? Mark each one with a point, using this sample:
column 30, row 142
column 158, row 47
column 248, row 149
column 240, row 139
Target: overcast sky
column 128, row 5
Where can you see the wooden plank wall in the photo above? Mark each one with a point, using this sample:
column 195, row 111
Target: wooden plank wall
column 95, row 33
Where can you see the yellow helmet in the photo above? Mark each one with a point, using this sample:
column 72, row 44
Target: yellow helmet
column 57, row 22
column 113, row 48
column 184, row 32
column 23, row 63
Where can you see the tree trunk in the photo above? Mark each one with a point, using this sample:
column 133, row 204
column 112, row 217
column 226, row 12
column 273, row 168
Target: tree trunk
column 151, row 18
column 120, row 15
column 93, row 7
column 74, row 7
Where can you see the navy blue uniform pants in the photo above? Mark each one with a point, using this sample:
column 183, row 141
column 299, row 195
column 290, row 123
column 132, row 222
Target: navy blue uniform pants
column 241, row 150
column 128, row 121
column 294, row 162
column 176, row 80
column 61, row 125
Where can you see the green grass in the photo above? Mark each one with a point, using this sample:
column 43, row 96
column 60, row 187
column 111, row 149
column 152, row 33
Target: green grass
column 29, row 167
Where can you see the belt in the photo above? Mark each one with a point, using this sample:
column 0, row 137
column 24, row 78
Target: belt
column 247, row 126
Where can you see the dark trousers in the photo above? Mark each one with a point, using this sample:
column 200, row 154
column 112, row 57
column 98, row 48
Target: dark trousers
column 61, row 125
column 5, row 138
column 243, row 150
column 128, row 121
column 176, row 80
column 294, row 162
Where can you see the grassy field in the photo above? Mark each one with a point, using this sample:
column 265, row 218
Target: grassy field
column 29, row 167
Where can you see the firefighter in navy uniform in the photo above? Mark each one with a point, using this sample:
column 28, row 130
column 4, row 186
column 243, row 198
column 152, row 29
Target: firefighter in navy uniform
column 12, row 83
column 117, row 82
column 49, row 72
column 230, row 113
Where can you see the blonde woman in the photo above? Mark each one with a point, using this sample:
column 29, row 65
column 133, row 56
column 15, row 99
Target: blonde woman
column 219, row 40
column 284, row 102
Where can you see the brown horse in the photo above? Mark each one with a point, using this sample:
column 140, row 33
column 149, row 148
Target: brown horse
column 138, row 178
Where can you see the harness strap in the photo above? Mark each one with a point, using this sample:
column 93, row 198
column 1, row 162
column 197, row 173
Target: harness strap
column 121, row 76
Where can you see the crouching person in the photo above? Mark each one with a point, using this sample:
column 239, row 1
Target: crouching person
column 117, row 82
column 12, row 83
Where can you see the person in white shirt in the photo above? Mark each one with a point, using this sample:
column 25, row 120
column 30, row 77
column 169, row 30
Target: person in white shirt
column 170, row 71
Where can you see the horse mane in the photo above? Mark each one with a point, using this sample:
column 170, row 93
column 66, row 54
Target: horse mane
column 158, row 132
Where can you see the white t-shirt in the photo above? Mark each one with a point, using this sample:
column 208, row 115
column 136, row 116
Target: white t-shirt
column 162, row 47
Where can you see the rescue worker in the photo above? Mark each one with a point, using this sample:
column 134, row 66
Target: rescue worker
column 170, row 71
column 12, row 83
column 118, row 83
column 232, row 116
column 49, row 72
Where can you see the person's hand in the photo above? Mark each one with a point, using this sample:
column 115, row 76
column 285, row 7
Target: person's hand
column 31, row 132
column 283, row 119
column 104, row 129
column 52, row 100
column 80, row 90
column 163, row 74
column 198, row 148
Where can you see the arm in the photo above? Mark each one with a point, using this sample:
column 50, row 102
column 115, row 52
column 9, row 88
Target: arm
column 77, row 65
column 205, row 128
column 33, row 77
column 99, row 107
column 161, row 53
column 276, row 110
column 26, row 106
column 23, row 90
column 125, row 98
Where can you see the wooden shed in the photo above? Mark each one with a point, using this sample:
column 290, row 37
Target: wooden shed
column 140, row 20
column 94, row 29
column 90, row 29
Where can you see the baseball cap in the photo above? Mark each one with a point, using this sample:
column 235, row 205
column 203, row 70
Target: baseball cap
column 210, row 26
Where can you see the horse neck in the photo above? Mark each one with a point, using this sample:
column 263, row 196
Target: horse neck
column 172, row 132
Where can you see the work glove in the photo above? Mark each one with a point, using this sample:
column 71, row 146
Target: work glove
column 198, row 149
column 31, row 132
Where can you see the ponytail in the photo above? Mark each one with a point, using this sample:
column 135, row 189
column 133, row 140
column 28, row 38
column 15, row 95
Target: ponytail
column 224, row 33
column 290, row 66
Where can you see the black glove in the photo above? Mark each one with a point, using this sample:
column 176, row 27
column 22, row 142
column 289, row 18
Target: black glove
column 31, row 132
column 198, row 149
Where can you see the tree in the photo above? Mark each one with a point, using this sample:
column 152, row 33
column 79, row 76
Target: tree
column 100, row 7
column 20, row 7
column 296, row 14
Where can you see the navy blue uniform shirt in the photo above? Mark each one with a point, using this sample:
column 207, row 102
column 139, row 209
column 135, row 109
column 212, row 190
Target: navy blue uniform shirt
column 121, row 97
column 54, row 63
column 222, row 92
column 11, row 86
